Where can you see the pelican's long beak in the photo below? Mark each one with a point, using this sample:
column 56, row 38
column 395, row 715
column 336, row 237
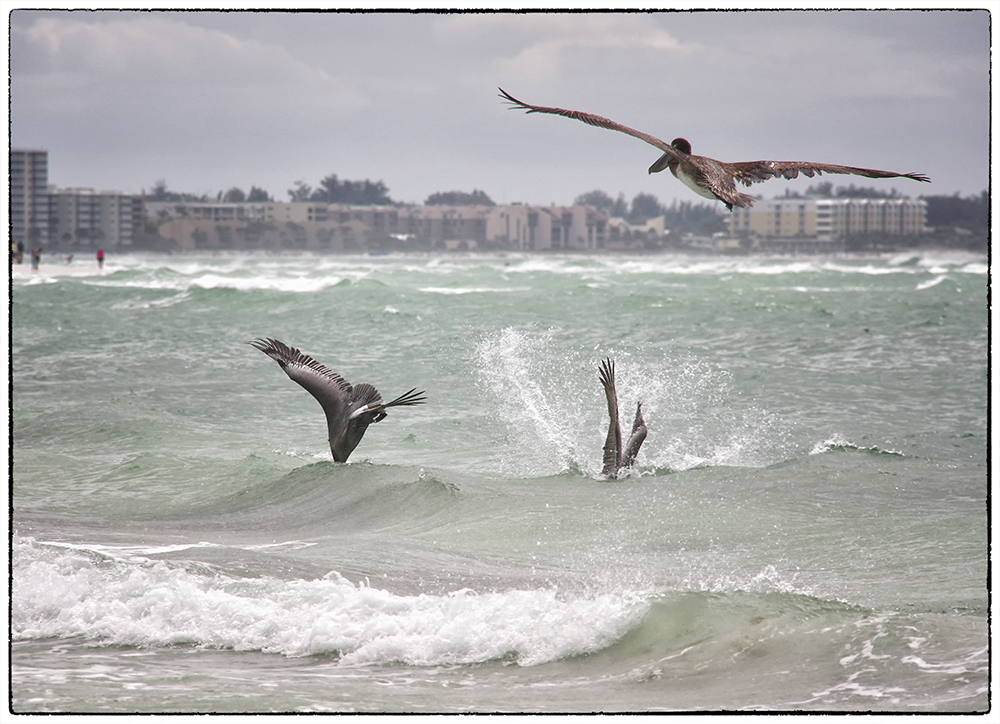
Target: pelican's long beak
column 661, row 163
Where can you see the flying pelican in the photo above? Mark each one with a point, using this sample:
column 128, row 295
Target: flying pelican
column 705, row 176
column 349, row 410
column 615, row 458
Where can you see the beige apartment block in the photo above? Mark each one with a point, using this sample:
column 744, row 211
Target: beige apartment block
column 537, row 228
column 828, row 218
column 336, row 227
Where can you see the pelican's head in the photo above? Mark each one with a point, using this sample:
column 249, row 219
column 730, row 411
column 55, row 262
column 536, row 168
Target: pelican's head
column 682, row 145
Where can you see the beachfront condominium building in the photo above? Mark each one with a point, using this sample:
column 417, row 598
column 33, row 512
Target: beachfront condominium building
column 87, row 219
column 339, row 227
column 29, row 198
column 537, row 228
column 827, row 219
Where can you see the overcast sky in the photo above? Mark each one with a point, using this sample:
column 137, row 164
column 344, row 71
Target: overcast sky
column 207, row 101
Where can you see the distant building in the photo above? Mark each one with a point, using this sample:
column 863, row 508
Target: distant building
column 894, row 217
column 338, row 227
column 827, row 220
column 538, row 228
column 29, row 198
column 624, row 236
column 84, row 218
column 270, row 211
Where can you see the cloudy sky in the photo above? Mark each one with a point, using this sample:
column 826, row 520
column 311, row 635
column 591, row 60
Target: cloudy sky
column 207, row 100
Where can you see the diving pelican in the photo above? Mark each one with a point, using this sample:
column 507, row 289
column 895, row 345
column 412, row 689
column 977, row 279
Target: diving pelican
column 616, row 458
column 349, row 409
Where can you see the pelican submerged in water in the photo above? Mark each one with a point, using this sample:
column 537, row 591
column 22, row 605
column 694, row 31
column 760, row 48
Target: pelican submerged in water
column 349, row 409
column 615, row 457
column 705, row 176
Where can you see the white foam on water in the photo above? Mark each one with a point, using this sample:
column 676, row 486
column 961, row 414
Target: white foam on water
column 553, row 408
column 931, row 282
column 63, row 592
column 541, row 429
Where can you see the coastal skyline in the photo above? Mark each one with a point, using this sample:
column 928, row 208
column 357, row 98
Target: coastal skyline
column 210, row 100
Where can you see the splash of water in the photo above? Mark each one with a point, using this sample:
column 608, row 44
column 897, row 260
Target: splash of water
column 550, row 403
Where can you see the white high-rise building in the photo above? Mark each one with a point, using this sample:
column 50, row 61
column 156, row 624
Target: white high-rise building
column 84, row 218
column 29, row 198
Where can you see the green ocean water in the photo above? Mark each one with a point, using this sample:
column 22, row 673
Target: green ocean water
column 806, row 527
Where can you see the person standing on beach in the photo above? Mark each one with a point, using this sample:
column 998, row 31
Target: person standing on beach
column 100, row 257
column 36, row 257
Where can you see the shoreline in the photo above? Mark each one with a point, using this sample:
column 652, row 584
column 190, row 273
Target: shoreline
column 54, row 269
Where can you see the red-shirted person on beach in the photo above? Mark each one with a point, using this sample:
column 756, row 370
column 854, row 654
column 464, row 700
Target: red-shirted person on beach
column 100, row 257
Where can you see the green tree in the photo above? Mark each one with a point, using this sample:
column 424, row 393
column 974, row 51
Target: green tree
column 459, row 198
column 161, row 193
column 644, row 208
column 301, row 192
column 362, row 193
column 971, row 212
column 258, row 195
column 602, row 201
column 702, row 219
column 234, row 195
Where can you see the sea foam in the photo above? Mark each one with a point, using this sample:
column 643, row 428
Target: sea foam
column 64, row 592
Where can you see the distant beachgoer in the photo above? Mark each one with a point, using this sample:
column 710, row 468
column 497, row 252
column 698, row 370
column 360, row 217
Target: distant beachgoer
column 20, row 252
column 36, row 257
column 69, row 259
column 100, row 257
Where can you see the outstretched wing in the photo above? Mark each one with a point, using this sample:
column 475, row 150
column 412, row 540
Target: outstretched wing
column 590, row 119
column 331, row 390
column 613, row 444
column 751, row 172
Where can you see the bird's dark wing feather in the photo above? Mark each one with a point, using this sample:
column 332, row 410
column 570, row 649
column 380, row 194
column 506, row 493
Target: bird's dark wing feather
column 590, row 119
column 636, row 439
column 751, row 172
column 613, row 444
column 408, row 398
column 331, row 390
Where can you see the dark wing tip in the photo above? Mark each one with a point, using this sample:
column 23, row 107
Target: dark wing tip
column 607, row 372
column 270, row 346
column 918, row 177
column 411, row 397
column 515, row 104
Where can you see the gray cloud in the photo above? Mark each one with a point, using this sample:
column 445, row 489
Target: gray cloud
column 211, row 100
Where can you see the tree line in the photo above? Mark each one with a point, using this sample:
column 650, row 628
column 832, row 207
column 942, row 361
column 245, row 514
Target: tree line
column 682, row 217
column 702, row 218
column 330, row 190
column 235, row 195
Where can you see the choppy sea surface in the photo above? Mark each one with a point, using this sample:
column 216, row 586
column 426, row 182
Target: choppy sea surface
column 806, row 527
